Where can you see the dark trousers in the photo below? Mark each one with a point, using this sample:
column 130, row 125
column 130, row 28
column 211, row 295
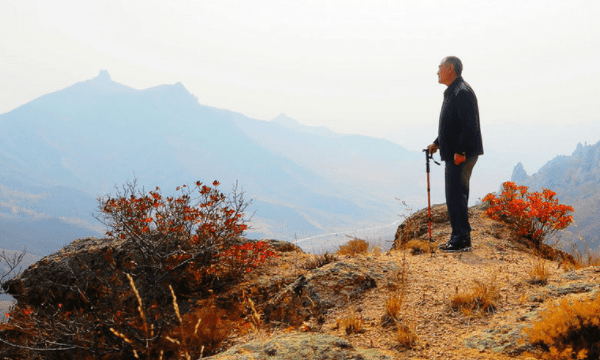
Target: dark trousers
column 457, row 196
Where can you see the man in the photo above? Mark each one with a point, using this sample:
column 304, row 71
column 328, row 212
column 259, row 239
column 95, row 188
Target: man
column 460, row 144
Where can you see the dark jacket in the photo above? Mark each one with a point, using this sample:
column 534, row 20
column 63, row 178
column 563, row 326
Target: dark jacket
column 459, row 130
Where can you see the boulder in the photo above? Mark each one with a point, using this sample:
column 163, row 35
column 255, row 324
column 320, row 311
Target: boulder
column 299, row 346
column 312, row 294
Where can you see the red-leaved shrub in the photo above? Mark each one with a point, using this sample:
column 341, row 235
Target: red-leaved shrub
column 535, row 215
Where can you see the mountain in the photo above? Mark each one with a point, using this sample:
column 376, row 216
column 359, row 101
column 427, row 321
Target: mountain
column 576, row 180
column 63, row 150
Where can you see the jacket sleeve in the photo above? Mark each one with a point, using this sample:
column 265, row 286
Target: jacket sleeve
column 466, row 108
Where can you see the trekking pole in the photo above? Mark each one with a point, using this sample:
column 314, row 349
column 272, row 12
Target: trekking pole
column 427, row 157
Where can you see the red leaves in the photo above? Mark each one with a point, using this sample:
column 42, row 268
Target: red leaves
column 151, row 214
column 536, row 215
column 248, row 255
column 195, row 220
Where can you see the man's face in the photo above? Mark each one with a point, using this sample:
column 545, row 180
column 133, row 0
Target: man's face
column 445, row 73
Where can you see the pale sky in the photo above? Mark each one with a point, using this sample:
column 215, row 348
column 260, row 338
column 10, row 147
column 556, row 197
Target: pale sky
column 366, row 67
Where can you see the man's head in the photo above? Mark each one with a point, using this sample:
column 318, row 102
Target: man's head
column 450, row 68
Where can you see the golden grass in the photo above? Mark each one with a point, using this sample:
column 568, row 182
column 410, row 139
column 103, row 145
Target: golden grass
column 351, row 324
column 354, row 247
column 406, row 336
column 419, row 247
column 567, row 330
column 481, row 298
column 538, row 273
column 319, row 261
column 591, row 258
column 393, row 305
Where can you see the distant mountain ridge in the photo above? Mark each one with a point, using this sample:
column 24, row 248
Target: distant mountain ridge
column 96, row 134
column 307, row 183
column 576, row 180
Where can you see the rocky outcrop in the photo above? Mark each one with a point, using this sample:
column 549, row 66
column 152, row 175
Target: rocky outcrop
column 81, row 267
column 57, row 278
column 300, row 346
column 313, row 293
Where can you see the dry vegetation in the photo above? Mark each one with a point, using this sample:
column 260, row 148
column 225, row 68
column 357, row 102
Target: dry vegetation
column 506, row 299
column 480, row 298
column 568, row 329
column 354, row 247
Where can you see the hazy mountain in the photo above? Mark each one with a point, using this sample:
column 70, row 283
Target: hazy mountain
column 576, row 180
column 62, row 150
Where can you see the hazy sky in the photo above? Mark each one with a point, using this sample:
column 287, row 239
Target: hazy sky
column 366, row 67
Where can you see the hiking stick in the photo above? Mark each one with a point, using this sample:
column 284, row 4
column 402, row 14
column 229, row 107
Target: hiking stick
column 427, row 157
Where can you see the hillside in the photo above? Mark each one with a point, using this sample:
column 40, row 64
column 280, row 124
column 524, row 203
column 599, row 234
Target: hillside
column 334, row 306
column 576, row 180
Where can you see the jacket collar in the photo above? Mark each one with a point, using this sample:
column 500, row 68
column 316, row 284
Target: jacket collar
column 454, row 84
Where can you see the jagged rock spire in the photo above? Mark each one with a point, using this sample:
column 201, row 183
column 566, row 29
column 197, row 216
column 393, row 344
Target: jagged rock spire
column 103, row 75
column 519, row 174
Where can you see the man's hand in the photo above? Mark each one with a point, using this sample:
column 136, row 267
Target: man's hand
column 459, row 159
column 433, row 148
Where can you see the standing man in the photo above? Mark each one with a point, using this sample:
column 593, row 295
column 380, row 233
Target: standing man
column 460, row 144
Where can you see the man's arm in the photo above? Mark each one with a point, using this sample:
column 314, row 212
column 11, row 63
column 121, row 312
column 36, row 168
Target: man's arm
column 466, row 104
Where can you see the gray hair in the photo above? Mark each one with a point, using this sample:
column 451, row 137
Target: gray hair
column 455, row 62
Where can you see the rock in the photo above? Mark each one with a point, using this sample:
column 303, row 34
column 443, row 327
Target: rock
column 571, row 289
column 312, row 294
column 299, row 346
column 55, row 278
column 416, row 225
column 64, row 276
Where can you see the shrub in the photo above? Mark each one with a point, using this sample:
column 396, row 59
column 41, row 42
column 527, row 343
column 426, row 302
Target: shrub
column 535, row 215
column 189, row 244
column 568, row 330
column 354, row 247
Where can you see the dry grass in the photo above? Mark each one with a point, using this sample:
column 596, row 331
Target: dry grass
column 481, row 298
column 393, row 305
column 539, row 273
column 419, row 247
column 354, row 247
column 201, row 331
column 406, row 336
column 568, row 330
column 590, row 258
column 319, row 261
column 351, row 324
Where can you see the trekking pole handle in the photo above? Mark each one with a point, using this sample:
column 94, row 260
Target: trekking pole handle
column 429, row 156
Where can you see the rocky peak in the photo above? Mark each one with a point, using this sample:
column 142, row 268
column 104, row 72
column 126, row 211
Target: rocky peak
column 519, row 174
column 104, row 76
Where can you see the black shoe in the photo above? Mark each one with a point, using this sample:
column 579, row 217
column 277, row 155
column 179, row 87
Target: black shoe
column 467, row 244
column 454, row 247
column 445, row 245
column 453, row 240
